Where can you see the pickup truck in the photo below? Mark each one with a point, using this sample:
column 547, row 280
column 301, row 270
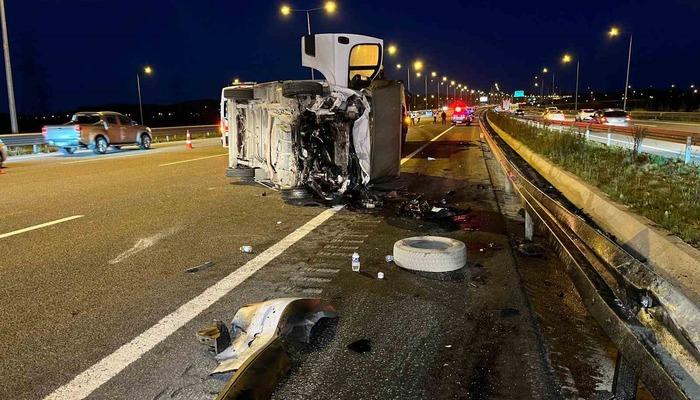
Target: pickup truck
column 97, row 131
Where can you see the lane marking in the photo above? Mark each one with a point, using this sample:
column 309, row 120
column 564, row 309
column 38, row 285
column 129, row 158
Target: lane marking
column 112, row 156
column 44, row 225
column 408, row 157
column 192, row 159
column 92, row 378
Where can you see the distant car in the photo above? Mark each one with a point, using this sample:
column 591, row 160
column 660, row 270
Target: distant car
column 97, row 131
column 553, row 114
column 519, row 113
column 3, row 153
column 463, row 115
column 613, row 117
column 585, row 114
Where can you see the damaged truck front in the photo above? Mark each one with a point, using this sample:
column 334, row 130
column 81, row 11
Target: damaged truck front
column 319, row 140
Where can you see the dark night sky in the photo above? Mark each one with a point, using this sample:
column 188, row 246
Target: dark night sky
column 83, row 52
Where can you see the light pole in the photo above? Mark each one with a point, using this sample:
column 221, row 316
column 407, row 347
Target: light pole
column 329, row 7
column 8, row 70
column 452, row 84
column 567, row 59
column 417, row 67
column 434, row 76
column 444, row 82
column 544, row 71
column 148, row 71
column 613, row 33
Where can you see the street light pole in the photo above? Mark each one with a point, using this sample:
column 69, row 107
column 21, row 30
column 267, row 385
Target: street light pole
column 576, row 98
column 138, row 86
column 426, row 90
column 8, row 70
column 627, row 80
column 308, row 28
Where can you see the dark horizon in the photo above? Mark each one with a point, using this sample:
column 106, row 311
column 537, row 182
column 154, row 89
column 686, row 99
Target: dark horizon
column 89, row 52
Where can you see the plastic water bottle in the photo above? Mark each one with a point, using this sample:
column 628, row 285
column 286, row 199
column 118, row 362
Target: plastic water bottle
column 355, row 262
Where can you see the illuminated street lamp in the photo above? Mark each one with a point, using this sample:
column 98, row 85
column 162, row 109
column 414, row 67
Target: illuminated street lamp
column 567, row 59
column 147, row 70
column 392, row 49
column 613, row 33
column 329, row 7
column 8, row 70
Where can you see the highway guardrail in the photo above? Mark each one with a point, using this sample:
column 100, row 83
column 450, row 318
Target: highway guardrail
column 36, row 140
column 651, row 323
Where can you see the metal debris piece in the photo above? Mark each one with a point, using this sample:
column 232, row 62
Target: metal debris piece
column 380, row 275
column 256, row 325
column 200, row 267
column 361, row 346
column 216, row 337
column 389, row 258
column 531, row 249
column 246, row 249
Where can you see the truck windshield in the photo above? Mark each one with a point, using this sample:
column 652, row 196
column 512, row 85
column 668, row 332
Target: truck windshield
column 85, row 119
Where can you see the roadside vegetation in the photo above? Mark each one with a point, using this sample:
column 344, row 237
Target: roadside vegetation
column 664, row 190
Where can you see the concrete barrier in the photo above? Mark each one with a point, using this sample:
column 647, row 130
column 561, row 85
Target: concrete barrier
column 668, row 255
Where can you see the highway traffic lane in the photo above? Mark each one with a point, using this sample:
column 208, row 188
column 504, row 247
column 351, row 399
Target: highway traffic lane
column 84, row 287
column 430, row 338
column 74, row 307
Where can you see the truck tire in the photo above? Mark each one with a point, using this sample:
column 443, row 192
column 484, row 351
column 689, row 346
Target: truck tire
column 100, row 145
column 67, row 150
column 240, row 94
column 241, row 174
column 430, row 254
column 145, row 141
column 301, row 88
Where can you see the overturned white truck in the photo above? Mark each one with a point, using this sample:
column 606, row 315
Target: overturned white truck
column 319, row 140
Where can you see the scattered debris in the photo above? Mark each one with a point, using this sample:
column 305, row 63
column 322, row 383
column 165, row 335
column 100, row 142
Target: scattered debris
column 361, row 346
column 431, row 159
column 380, row 275
column 279, row 222
column 246, row 249
column 531, row 249
column 451, row 193
column 389, row 258
column 561, row 295
column 216, row 337
column 355, row 262
column 436, row 209
column 258, row 335
column 264, row 194
column 200, row 267
column 647, row 301
column 449, row 346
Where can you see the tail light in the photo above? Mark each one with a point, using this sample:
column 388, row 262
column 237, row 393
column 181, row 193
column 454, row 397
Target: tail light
column 77, row 128
column 223, row 126
column 44, row 131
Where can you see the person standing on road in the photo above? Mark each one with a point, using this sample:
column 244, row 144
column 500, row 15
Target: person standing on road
column 413, row 119
column 444, row 118
column 435, row 118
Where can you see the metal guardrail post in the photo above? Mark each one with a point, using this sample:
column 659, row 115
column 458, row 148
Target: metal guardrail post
column 35, row 149
column 529, row 226
column 625, row 379
column 688, row 149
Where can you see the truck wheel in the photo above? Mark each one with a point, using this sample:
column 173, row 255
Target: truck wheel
column 145, row 142
column 241, row 174
column 301, row 88
column 100, row 145
column 67, row 150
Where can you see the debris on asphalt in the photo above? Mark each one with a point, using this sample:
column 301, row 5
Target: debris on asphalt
column 380, row 275
column 216, row 337
column 389, row 258
column 436, row 209
column 431, row 159
column 246, row 249
column 531, row 249
column 200, row 267
column 279, row 222
column 264, row 194
column 355, row 262
column 361, row 346
column 646, row 301
column 450, row 193
column 259, row 333
column 448, row 346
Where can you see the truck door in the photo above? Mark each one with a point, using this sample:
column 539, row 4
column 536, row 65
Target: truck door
column 128, row 129
column 113, row 129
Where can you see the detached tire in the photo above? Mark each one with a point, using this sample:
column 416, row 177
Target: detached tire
column 430, row 254
column 301, row 88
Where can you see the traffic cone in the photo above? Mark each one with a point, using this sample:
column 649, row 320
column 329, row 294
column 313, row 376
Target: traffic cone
column 188, row 142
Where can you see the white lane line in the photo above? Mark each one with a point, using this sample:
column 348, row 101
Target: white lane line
column 110, row 157
column 44, row 225
column 408, row 157
column 89, row 380
column 192, row 159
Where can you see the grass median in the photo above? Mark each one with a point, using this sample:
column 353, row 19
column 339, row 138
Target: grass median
column 664, row 190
